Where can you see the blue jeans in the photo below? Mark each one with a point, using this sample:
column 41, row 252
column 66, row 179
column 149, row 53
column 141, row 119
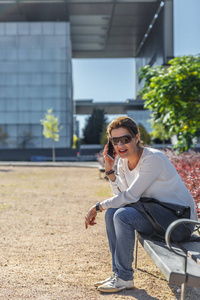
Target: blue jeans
column 121, row 224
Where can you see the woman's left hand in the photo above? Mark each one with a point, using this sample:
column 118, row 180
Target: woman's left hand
column 90, row 217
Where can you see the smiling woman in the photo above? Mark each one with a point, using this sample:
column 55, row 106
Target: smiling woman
column 148, row 193
column 124, row 134
column 126, row 146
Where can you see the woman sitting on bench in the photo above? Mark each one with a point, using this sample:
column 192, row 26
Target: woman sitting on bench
column 148, row 195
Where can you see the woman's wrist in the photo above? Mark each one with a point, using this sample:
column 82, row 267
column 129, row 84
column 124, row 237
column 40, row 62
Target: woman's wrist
column 107, row 174
column 112, row 177
column 100, row 207
column 111, row 171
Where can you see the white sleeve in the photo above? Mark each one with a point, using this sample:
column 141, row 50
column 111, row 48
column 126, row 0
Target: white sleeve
column 120, row 183
column 151, row 168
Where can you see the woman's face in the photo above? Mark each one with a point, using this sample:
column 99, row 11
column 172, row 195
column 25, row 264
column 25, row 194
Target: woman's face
column 124, row 150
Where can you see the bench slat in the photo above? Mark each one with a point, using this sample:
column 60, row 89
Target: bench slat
column 192, row 249
column 164, row 259
column 170, row 264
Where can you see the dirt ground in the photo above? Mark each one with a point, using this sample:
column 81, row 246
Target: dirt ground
column 45, row 251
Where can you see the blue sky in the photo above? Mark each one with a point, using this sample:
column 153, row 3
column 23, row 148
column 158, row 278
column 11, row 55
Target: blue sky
column 103, row 79
column 113, row 79
column 186, row 27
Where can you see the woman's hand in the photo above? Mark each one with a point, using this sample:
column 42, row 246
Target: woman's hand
column 109, row 163
column 90, row 217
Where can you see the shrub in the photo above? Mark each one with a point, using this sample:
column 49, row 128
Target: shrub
column 187, row 165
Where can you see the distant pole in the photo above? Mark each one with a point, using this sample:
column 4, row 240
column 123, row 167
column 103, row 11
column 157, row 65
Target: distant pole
column 168, row 31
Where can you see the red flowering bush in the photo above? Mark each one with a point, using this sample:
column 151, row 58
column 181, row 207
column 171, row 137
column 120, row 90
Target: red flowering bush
column 187, row 165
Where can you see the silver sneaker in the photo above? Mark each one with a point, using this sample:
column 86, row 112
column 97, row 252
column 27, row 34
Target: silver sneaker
column 104, row 281
column 116, row 285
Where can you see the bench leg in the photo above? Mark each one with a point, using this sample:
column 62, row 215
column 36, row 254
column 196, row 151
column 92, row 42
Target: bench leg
column 136, row 249
column 183, row 291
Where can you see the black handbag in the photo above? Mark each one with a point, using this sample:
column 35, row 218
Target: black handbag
column 161, row 215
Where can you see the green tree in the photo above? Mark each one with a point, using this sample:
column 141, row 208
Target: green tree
column 173, row 94
column 158, row 134
column 104, row 136
column 51, row 129
column 144, row 135
column 94, row 127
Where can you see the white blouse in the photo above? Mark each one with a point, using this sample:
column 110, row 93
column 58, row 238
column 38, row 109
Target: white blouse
column 154, row 176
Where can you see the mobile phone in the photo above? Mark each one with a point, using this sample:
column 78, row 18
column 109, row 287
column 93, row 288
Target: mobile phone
column 111, row 152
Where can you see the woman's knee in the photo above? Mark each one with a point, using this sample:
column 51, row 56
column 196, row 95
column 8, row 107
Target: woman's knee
column 129, row 217
column 120, row 216
column 109, row 215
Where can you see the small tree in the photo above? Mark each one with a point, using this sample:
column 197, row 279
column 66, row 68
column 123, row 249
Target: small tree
column 173, row 94
column 75, row 141
column 51, row 129
column 3, row 135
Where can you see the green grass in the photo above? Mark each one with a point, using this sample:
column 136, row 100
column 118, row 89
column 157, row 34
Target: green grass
column 104, row 192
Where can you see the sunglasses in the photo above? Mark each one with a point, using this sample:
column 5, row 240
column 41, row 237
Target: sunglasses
column 125, row 139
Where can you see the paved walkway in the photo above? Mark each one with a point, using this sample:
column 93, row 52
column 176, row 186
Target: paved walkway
column 79, row 164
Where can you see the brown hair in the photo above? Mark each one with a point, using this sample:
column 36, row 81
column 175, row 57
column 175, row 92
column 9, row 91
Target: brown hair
column 127, row 123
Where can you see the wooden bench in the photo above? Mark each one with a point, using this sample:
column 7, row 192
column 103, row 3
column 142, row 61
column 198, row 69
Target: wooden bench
column 179, row 262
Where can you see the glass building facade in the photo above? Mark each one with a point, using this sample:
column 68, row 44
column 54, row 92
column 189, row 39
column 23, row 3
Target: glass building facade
column 35, row 75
